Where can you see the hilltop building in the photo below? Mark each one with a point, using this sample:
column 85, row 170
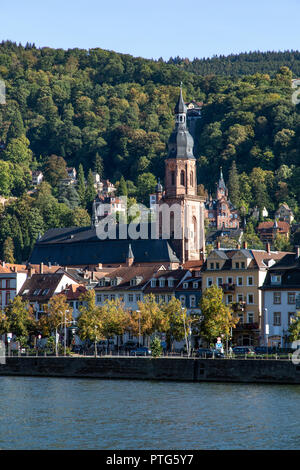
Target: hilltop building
column 220, row 212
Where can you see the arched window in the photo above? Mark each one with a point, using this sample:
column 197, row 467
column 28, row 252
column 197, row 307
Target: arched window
column 192, row 179
column 182, row 178
column 173, row 178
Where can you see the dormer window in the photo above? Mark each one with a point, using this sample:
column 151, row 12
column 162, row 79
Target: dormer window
column 211, row 265
column 275, row 279
column 195, row 285
column 153, row 282
column 185, row 285
column 161, row 283
column 171, row 282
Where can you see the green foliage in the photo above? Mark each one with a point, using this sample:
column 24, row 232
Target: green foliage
column 218, row 318
column 19, row 318
column 156, row 347
column 294, row 329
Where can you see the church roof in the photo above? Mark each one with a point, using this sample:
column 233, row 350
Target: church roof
column 77, row 246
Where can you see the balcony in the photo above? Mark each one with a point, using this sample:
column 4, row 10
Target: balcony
column 227, row 287
column 247, row 326
column 239, row 306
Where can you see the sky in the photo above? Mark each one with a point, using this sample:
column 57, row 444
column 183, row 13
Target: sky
column 156, row 28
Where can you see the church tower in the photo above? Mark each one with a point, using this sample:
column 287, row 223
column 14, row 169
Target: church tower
column 181, row 191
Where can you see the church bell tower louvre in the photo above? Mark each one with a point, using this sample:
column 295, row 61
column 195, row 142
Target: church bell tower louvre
column 181, row 191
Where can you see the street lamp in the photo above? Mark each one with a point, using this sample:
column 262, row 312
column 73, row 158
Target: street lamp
column 139, row 312
column 185, row 335
column 72, row 322
column 267, row 330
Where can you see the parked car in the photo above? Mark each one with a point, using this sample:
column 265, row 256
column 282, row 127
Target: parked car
column 208, row 353
column 265, row 350
column 141, row 351
column 129, row 346
column 243, row 350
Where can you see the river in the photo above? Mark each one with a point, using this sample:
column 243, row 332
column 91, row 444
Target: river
column 58, row 413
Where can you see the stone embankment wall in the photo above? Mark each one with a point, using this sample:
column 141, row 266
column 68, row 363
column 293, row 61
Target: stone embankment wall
column 179, row 369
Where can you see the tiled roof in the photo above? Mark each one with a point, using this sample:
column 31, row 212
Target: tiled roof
column 126, row 273
column 269, row 225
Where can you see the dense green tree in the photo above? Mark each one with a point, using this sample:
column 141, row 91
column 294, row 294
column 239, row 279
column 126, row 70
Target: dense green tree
column 8, row 250
column 55, row 170
column 233, row 185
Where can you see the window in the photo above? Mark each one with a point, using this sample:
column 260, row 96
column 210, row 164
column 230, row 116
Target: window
column 45, row 291
column 291, row 298
column 161, row 283
column 275, row 279
column 173, row 178
column 138, row 297
column 7, row 298
column 277, row 318
column 191, row 179
column 276, row 297
column 36, row 291
column 105, row 297
column 169, row 298
column 229, row 299
column 250, row 317
column 130, row 297
column 243, row 265
column 209, row 281
column 192, row 301
column 239, row 281
column 182, row 300
column 170, row 282
column 157, row 298
column 250, row 281
column 185, row 285
column 153, row 282
column 217, row 265
column 121, row 297
column 182, row 178
column 212, row 266
column 7, row 283
column 220, row 281
column 163, row 298
column 250, row 299
column 229, row 280
column 195, row 285
column 240, row 298
column 112, row 297
column 99, row 298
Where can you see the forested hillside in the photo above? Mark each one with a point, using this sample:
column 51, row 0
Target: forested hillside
column 101, row 110
column 242, row 64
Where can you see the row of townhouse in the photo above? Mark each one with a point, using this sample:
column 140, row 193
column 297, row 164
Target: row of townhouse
column 281, row 299
column 131, row 284
column 241, row 273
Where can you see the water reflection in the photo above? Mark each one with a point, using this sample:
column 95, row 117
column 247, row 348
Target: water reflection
column 51, row 413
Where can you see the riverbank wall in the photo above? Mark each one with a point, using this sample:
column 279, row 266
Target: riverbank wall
column 148, row 368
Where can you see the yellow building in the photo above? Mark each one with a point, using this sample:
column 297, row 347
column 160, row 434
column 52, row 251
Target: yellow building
column 240, row 272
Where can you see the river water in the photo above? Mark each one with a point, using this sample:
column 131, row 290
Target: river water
column 58, row 413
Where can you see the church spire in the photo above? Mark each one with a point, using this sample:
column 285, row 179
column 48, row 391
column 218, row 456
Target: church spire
column 181, row 143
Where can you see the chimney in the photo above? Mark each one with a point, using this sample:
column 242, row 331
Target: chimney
column 30, row 271
column 3, row 264
column 268, row 248
column 238, row 246
column 42, row 268
column 218, row 245
column 245, row 245
column 100, row 265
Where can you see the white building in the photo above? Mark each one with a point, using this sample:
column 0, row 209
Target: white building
column 280, row 290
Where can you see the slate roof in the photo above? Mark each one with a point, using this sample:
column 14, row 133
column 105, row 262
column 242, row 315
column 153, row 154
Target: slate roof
column 80, row 246
column 289, row 269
